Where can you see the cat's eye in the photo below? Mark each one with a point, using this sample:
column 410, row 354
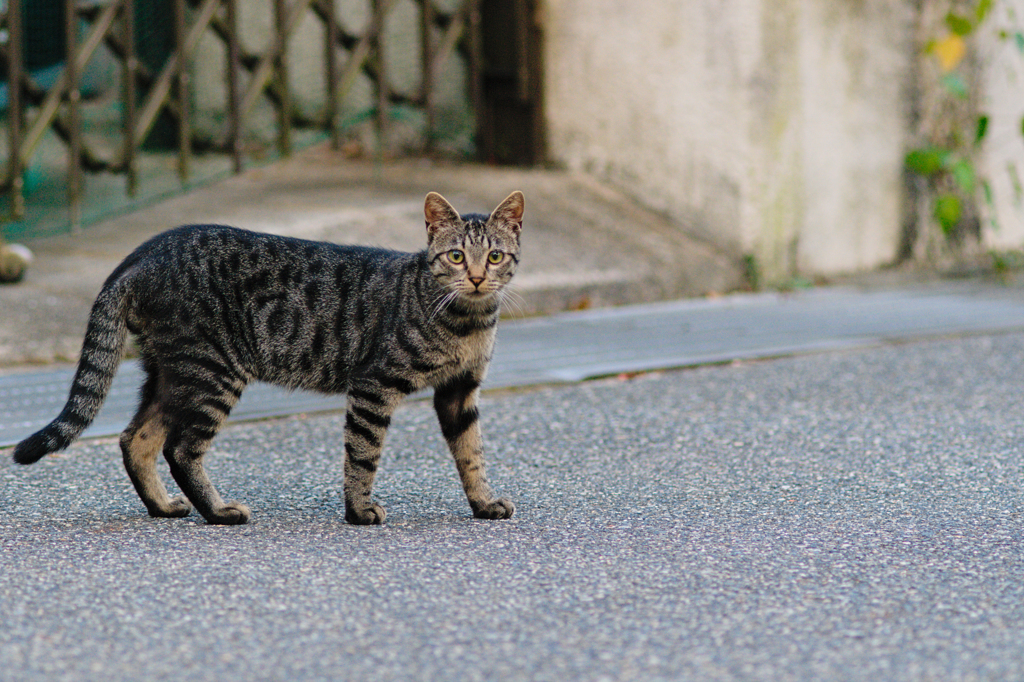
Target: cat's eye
column 495, row 257
column 456, row 256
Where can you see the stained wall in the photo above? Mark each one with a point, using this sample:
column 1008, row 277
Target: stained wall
column 774, row 128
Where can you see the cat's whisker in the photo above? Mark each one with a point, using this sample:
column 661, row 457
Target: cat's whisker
column 446, row 291
column 513, row 302
column 443, row 301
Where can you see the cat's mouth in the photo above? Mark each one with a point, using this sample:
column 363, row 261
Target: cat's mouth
column 476, row 289
column 478, row 294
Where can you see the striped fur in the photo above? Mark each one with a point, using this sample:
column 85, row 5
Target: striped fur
column 214, row 308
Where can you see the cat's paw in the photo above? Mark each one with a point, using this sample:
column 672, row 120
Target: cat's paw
column 176, row 508
column 231, row 514
column 495, row 509
column 373, row 515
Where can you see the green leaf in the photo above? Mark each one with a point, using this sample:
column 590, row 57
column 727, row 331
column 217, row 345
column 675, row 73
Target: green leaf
column 947, row 211
column 1018, row 188
column 963, row 173
column 1019, row 39
column 982, row 10
column 986, row 189
column 982, row 128
column 955, row 85
column 959, row 25
column 926, row 161
column 1022, row 126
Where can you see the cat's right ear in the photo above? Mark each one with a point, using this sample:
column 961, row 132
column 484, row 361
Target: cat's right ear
column 437, row 212
column 511, row 210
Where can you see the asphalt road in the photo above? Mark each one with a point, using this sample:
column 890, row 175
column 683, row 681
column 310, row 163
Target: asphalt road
column 848, row 515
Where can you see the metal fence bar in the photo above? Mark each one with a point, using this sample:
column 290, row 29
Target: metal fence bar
column 380, row 10
column 476, row 60
column 130, row 76
column 15, row 74
column 234, row 134
column 280, row 53
column 427, row 58
column 326, row 10
column 183, row 83
column 74, row 100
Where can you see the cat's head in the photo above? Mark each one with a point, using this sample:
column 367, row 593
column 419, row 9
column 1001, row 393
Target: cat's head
column 473, row 255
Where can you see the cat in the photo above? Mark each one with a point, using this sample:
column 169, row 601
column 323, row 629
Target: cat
column 213, row 308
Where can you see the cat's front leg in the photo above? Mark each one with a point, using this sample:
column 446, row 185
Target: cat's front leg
column 456, row 405
column 370, row 406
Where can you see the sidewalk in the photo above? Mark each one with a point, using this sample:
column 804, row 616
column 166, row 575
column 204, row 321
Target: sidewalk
column 576, row 346
column 584, row 245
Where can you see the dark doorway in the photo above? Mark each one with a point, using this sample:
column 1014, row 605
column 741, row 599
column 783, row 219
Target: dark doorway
column 511, row 125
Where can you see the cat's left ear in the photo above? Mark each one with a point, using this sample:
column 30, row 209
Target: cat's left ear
column 510, row 211
column 437, row 212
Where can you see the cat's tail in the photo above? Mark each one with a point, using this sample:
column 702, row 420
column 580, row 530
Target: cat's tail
column 102, row 350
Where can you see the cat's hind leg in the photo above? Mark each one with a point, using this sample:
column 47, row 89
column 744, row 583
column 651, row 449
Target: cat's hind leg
column 456, row 405
column 141, row 442
column 196, row 408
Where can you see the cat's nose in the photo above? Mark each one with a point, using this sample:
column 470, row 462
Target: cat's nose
column 477, row 281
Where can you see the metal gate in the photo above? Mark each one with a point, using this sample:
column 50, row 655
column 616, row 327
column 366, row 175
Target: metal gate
column 155, row 90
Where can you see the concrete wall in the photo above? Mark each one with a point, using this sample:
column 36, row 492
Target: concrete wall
column 776, row 128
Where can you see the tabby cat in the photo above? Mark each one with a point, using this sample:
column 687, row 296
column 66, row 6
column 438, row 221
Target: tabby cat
column 214, row 308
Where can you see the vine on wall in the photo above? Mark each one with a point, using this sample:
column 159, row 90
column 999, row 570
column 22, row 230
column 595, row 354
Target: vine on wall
column 952, row 124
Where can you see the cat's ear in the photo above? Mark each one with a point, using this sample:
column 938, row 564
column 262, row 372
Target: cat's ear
column 437, row 211
column 510, row 211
